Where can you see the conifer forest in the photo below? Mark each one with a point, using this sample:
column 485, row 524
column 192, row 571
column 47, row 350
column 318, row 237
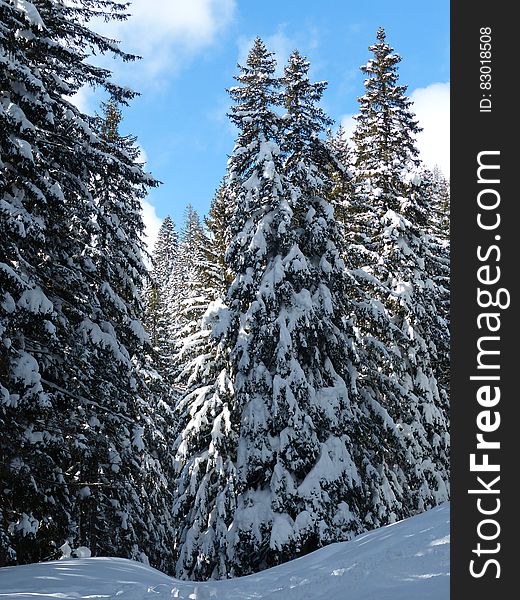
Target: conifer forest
column 274, row 377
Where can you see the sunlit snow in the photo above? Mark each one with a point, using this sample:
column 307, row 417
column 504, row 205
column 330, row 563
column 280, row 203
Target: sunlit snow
column 408, row 560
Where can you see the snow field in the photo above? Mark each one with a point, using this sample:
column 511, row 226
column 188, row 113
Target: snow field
column 408, row 560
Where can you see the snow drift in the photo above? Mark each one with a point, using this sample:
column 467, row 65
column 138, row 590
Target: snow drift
column 404, row 561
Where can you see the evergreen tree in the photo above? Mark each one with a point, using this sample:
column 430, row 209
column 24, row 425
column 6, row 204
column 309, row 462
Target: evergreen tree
column 385, row 127
column 440, row 201
column 207, row 282
column 316, row 171
column 217, row 277
column 188, row 297
column 340, row 173
column 393, row 258
column 165, row 251
column 45, row 215
column 69, row 317
column 386, row 472
column 159, row 320
column 116, row 454
column 270, row 448
column 435, row 188
column 440, row 269
column 209, row 417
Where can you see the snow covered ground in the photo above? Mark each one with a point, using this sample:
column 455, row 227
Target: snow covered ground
column 405, row 561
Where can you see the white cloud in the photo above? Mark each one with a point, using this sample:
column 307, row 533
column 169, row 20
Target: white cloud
column 83, row 99
column 282, row 45
column 432, row 107
column 166, row 33
column 349, row 124
column 152, row 224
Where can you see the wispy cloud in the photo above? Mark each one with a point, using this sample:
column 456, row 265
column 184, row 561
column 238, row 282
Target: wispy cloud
column 168, row 34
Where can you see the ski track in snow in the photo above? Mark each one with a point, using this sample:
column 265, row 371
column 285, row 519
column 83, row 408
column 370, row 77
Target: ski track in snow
column 408, row 560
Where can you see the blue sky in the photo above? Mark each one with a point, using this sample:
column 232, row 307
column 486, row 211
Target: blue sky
column 190, row 49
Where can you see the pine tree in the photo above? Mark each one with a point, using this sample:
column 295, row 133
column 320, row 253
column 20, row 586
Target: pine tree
column 217, row 277
column 270, row 450
column 159, row 321
column 45, row 214
column 187, row 291
column 340, row 172
column 206, row 283
column 123, row 421
column 316, row 171
column 391, row 257
column 206, row 446
column 69, row 319
column 440, row 269
column 385, row 127
column 435, row 188
column 440, row 201
column 165, row 251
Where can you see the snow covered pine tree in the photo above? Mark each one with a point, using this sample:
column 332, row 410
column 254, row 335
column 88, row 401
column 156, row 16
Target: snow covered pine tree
column 270, row 449
column 188, row 297
column 216, row 275
column 75, row 427
column 125, row 437
column 32, row 452
column 206, row 280
column 397, row 264
column 159, row 321
column 291, row 346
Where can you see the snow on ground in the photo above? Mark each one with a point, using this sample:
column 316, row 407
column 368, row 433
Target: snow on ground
column 408, row 560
